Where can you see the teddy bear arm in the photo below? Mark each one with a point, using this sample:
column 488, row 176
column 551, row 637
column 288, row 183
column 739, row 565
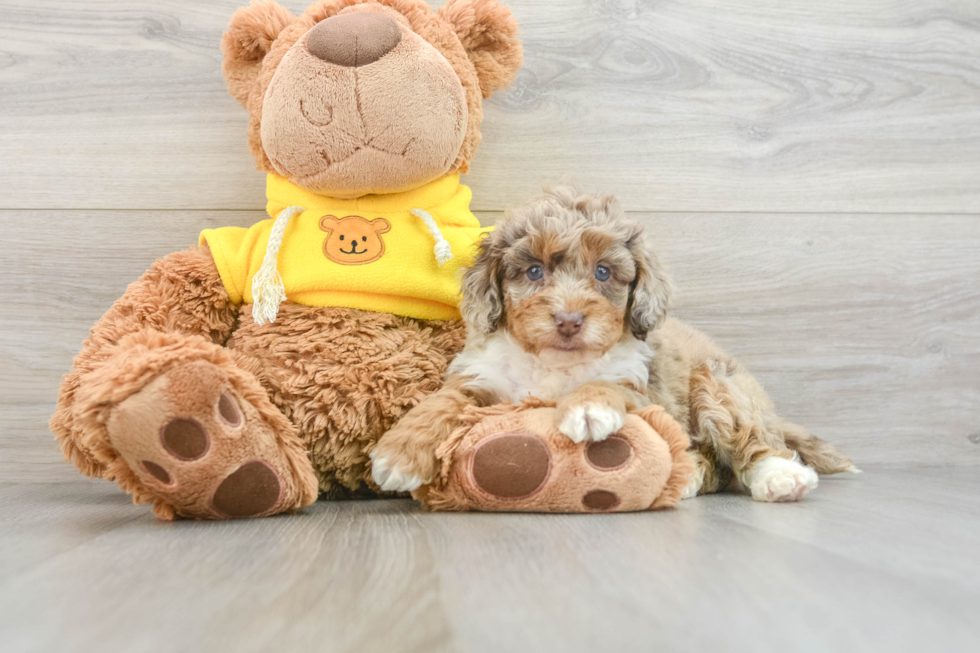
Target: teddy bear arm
column 181, row 294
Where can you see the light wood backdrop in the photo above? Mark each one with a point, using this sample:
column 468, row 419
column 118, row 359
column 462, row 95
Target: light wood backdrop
column 810, row 172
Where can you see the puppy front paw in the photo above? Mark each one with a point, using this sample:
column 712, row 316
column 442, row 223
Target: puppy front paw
column 590, row 421
column 777, row 479
column 394, row 476
column 694, row 483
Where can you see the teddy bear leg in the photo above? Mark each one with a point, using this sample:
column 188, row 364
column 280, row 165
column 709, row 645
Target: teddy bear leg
column 518, row 460
column 175, row 422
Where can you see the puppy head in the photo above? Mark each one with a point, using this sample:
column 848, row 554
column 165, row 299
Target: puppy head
column 568, row 276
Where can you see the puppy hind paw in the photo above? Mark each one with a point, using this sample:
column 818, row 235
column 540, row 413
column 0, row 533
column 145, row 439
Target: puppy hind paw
column 590, row 422
column 776, row 479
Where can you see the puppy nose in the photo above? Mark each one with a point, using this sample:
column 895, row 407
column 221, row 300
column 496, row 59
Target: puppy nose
column 355, row 39
column 569, row 324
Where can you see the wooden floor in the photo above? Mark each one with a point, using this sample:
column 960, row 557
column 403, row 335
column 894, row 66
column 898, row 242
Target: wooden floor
column 885, row 561
column 810, row 172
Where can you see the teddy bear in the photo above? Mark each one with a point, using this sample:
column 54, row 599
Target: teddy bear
column 248, row 375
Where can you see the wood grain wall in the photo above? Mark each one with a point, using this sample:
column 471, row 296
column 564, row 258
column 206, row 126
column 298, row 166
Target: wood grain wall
column 810, row 171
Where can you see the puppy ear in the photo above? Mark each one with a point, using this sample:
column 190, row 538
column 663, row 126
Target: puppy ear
column 650, row 291
column 483, row 295
column 249, row 38
column 488, row 32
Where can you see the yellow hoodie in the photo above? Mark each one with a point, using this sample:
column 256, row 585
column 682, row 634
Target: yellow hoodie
column 375, row 253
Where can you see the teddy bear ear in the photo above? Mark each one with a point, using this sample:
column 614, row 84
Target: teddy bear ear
column 488, row 31
column 250, row 36
column 329, row 223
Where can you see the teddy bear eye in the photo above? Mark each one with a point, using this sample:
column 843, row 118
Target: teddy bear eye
column 364, row 238
column 535, row 272
column 341, row 236
column 602, row 273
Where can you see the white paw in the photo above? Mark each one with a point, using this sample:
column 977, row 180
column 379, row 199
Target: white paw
column 778, row 479
column 392, row 479
column 590, row 422
column 694, row 483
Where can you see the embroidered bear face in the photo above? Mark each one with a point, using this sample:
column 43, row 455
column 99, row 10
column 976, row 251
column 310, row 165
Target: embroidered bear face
column 353, row 240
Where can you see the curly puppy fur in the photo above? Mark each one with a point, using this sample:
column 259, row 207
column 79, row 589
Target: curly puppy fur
column 567, row 302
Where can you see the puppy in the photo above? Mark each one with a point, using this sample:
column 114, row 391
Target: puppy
column 567, row 302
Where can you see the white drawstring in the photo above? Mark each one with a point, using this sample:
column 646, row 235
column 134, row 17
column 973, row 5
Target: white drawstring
column 443, row 250
column 268, row 290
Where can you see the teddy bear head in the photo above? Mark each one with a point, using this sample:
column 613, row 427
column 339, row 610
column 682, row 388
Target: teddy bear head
column 367, row 96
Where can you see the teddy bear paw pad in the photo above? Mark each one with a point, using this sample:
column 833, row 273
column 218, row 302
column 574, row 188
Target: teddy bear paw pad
column 185, row 439
column 252, row 489
column 600, row 500
column 609, row 454
column 156, row 471
column 512, row 465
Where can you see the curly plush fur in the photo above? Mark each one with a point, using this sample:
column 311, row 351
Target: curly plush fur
column 343, row 377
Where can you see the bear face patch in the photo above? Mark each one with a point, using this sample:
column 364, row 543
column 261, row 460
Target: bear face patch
column 353, row 240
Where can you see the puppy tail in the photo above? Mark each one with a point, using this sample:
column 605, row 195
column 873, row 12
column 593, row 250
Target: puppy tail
column 820, row 455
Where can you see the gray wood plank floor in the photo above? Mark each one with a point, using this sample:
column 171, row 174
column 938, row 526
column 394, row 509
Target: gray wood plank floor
column 882, row 561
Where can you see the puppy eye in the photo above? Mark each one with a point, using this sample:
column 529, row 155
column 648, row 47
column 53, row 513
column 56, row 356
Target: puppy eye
column 602, row 273
column 535, row 272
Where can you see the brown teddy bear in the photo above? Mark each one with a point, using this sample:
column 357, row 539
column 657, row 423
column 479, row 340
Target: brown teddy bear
column 206, row 392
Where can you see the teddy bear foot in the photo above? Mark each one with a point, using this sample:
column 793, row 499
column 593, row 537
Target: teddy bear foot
column 202, row 451
column 514, row 459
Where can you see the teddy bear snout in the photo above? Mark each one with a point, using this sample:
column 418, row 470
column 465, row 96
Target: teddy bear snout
column 354, row 39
